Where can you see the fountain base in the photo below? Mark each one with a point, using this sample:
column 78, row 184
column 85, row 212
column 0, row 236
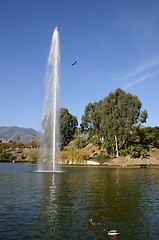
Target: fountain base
column 49, row 171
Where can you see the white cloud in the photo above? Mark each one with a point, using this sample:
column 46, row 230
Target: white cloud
column 141, row 68
column 140, row 79
column 143, row 72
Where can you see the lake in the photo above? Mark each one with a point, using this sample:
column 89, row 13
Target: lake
column 59, row 206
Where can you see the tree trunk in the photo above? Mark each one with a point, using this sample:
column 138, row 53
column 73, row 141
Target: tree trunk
column 116, row 143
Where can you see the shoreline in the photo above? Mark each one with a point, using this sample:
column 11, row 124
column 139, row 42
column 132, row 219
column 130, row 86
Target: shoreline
column 150, row 161
column 135, row 166
column 108, row 166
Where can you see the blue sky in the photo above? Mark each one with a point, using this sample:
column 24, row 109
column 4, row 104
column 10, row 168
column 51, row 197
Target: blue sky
column 116, row 43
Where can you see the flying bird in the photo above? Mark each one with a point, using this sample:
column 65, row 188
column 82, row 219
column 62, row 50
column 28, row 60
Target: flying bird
column 74, row 63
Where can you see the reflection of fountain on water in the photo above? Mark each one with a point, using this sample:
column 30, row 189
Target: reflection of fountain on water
column 49, row 146
column 51, row 210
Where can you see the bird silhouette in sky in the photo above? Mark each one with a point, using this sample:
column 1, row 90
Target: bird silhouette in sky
column 74, row 63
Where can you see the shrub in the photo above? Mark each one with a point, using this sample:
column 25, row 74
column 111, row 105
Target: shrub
column 136, row 151
column 33, row 157
column 96, row 141
column 6, row 156
column 23, row 156
column 143, row 152
column 123, row 152
column 80, row 143
column 74, row 156
column 109, row 146
column 100, row 158
column 13, row 147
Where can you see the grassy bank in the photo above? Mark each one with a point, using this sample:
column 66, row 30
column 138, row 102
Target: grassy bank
column 86, row 156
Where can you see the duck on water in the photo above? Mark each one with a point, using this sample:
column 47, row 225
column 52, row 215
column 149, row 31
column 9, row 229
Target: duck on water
column 111, row 232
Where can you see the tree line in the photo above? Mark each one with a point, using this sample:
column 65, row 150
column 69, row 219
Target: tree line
column 113, row 123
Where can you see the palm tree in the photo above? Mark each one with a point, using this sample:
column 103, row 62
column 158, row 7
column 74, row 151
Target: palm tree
column 18, row 138
column 33, row 137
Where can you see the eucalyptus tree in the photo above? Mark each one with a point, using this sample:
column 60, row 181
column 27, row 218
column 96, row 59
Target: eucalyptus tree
column 68, row 126
column 91, row 120
column 119, row 113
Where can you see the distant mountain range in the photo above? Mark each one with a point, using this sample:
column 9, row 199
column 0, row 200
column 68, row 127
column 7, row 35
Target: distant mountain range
column 11, row 133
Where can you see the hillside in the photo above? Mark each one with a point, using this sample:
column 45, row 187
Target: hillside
column 87, row 156
column 91, row 152
column 11, row 133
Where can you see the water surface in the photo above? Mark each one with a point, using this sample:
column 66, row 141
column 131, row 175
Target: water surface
column 58, row 206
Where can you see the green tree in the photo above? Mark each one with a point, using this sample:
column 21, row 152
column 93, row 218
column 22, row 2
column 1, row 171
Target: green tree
column 149, row 135
column 68, row 125
column 4, row 155
column 91, row 120
column 143, row 117
column 120, row 112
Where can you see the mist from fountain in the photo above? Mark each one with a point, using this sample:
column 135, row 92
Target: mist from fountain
column 50, row 139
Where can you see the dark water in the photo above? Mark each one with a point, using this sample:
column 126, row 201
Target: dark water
column 58, row 206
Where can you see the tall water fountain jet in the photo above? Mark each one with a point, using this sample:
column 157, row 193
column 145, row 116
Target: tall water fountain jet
column 49, row 146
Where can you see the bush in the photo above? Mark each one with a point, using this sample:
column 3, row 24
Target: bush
column 6, row 156
column 80, row 143
column 96, row 141
column 143, row 152
column 100, row 158
column 23, row 156
column 136, row 151
column 74, row 156
column 109, row 146
column 13, row 147
column 123, row 152
column 33, row 157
